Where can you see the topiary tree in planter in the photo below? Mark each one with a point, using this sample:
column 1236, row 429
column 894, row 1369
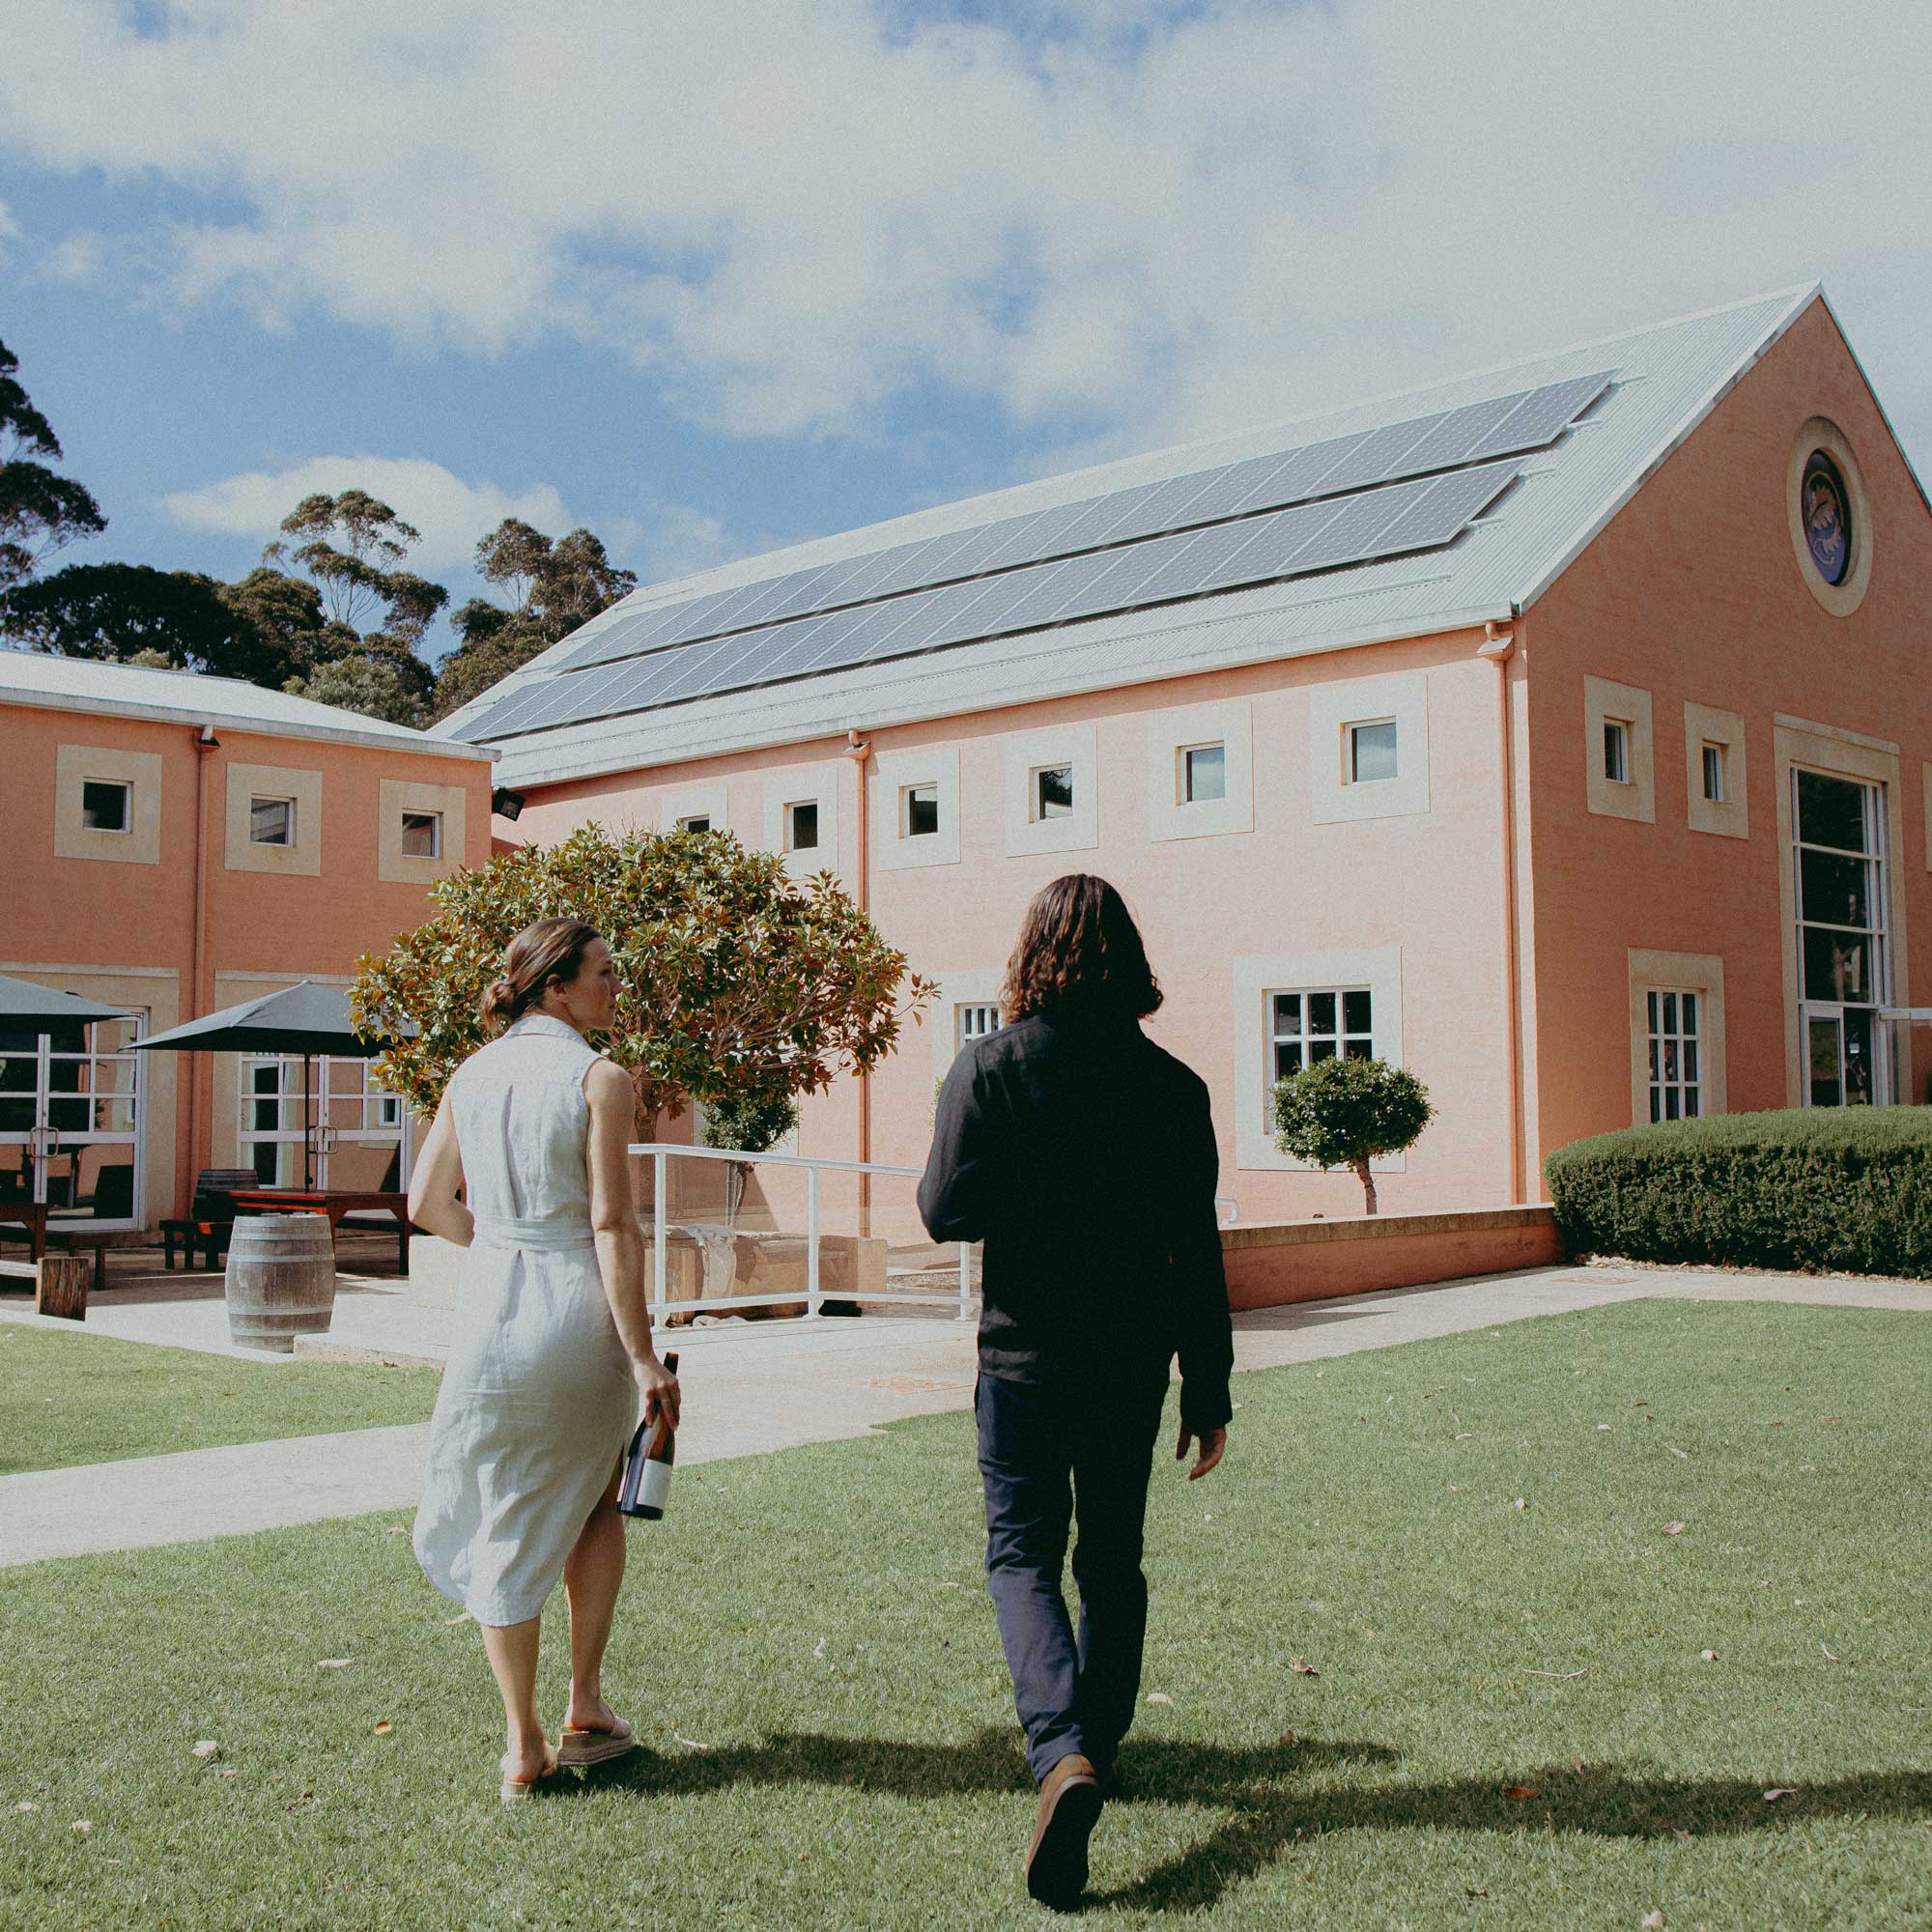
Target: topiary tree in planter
column 1346, row 1112
column 742, row 987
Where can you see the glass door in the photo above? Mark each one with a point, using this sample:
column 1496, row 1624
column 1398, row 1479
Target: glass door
column 359, row 1133
column 70, row 1122
column 1844, row 960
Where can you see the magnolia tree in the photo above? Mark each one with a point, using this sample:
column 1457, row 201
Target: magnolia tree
column 1346, row 1112
column 742, row 987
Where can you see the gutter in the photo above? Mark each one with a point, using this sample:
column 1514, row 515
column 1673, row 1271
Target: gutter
column 205, row 742
column 857, row 749
column 1498, row 647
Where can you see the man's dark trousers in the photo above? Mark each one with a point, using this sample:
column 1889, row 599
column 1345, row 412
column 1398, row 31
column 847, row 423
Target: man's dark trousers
column 1049, row 1456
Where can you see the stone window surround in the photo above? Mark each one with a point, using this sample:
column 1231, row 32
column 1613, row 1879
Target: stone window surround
column 75, row 765
column 1604, row 699
column 1821, row 433
column 1699, row 973
column 1259, row 975
column 959, row 986
column 936, row 765
column 814, row 783
column 693, row 801
column 248, row 783
column 396, row 796
column 1402, row 695
column 1076, row 746
column 1229, row 723
column 1728, row 818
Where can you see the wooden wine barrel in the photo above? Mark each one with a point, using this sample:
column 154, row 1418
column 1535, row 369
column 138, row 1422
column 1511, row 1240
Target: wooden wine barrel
column 281, row 1279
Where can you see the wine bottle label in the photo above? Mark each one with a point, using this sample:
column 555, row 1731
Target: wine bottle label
column 655, row 1486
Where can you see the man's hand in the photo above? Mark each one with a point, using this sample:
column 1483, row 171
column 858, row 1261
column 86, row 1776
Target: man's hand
column 1214, row 1446
column 658, row 1388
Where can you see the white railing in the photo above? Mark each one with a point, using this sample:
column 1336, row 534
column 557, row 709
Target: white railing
column 663, row 1152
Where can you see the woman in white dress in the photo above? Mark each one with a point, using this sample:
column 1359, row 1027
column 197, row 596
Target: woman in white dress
column 553, row 1343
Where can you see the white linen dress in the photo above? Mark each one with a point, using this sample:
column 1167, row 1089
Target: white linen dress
column 538, row 1401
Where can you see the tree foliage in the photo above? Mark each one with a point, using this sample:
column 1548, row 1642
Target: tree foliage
column 1346, row 1112
column 552, row 586
column 741, row 987
column 351, row 545
column 40, row 511
column 116, row 612
column 378, row 683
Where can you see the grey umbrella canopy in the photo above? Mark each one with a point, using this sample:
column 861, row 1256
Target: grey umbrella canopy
column 25, row 1008
column 304, row 1018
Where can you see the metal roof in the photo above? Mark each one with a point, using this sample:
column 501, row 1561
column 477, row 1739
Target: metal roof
column 198, row 697
column 1667, row 378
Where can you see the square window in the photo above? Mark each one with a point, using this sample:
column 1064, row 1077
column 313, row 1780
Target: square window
column 271, row 821
column 1355, row 1008
column 1714, row 773
column 422, row 834
column 698, row 821
column 1053, row 792
column 1204, row 773
column 1287, row 1012
column 977, row 1021
column 1371, row 752
column 801, row 826
column 1616, row 751
column 918, row 811
column 106, row 804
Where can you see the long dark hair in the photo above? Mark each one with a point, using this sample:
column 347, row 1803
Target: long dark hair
column 1079, row 954
column 553, row 949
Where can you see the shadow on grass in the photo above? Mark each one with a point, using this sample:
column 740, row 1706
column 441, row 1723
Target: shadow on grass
column 1265, row 1791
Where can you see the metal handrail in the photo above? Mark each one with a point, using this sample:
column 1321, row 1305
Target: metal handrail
column 661, row 1153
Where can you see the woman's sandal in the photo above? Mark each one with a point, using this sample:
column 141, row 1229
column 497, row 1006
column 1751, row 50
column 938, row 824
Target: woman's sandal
column 514, row 1790
column 583, row 1746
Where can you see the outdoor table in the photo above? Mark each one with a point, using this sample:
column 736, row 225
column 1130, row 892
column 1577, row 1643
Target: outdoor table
column 32, row 1215
column 334, row 1202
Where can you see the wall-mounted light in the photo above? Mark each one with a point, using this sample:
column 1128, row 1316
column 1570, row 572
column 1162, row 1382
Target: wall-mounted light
column 506, row 803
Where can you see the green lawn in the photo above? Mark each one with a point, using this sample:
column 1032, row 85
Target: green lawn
column 68, row 1399
column 806, row 1649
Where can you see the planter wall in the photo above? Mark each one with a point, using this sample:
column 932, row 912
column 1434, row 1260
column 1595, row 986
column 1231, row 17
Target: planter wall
column 1271, row 1263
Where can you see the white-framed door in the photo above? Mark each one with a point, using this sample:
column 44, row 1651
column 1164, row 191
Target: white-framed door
column 360, row 1134
column 1844, row 941
column 72, row 1123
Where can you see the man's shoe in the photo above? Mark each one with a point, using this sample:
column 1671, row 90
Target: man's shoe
column 1070, row 1802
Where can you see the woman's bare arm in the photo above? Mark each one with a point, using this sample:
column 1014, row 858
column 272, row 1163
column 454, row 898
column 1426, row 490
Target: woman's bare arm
column 620, row 1242
column 433, row 1186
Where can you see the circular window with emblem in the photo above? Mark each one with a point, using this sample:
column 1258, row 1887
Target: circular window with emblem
column 1826, row 507
column 1831, row 525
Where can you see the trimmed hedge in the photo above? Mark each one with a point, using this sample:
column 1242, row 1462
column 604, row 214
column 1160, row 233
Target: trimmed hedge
column 1800, row 1188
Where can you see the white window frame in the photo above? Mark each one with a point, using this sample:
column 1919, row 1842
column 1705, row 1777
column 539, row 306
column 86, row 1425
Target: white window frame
column 1617, row 752
column 1634, row 796
column 1702, row 973
column 293, row 838
column 1334, row 710
column 959, row 987
column 973, row 1020
column 1352, row 758
column 908, row 795
column 1664, row 1031
column 1343, row 1038
column 126, row 787
column 1258, row 977
column 1036, row 802
column 1877, row 855
column 435, row 818
column 1183, row 774
column 1713, row 764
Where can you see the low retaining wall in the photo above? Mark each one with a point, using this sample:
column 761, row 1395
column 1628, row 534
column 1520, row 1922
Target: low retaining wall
column 1273, row 1263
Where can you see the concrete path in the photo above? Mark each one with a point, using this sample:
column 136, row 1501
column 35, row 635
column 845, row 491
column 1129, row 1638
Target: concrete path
column 748, row 1388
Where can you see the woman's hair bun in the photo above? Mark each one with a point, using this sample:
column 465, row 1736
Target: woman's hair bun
column 498, row 1006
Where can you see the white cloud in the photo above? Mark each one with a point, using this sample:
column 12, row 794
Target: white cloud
column 1157, row 219
column 450, row 513
column 79, row 257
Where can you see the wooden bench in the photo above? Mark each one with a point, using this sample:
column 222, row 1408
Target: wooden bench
column 31, row 1218
column 210, row 1222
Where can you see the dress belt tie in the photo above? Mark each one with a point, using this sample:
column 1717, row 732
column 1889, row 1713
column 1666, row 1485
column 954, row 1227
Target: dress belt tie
column 540, row 1233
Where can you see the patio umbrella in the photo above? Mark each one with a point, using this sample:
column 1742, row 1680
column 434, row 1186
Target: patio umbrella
column 304, row 1018
column 25, row 1008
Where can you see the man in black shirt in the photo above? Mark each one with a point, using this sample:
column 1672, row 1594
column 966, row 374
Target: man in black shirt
column 1082, row 1155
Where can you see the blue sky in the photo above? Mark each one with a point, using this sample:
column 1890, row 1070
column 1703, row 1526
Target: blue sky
column 711, row 279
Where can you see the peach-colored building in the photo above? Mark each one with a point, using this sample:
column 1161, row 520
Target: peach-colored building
column 178, row 843
column 1563, row 732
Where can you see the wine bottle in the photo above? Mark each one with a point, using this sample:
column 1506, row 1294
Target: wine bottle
column 646, row 1481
